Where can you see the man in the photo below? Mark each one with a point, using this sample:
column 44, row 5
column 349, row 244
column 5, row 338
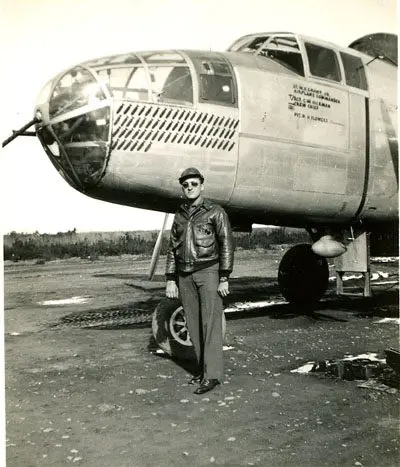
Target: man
column 199, row 262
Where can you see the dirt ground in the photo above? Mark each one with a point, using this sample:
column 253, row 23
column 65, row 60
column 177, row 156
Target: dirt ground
column 101, row 396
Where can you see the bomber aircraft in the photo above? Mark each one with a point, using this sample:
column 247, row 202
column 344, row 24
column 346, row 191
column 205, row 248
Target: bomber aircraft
column 288, row 130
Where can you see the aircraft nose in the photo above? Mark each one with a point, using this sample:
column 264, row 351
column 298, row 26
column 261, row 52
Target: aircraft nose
column 76, row 130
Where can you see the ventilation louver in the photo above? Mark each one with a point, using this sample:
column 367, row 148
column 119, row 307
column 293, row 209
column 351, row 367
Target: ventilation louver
column 137, row 126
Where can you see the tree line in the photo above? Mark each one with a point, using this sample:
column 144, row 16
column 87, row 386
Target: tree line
column 47, row 247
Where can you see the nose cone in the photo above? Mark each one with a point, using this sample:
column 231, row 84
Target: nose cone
column 76, row 126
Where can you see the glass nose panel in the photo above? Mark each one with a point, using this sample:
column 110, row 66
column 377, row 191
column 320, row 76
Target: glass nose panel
column 84, row 142
column 75, row 89
column 77, row 134
column 172, row 84
column 88, row 127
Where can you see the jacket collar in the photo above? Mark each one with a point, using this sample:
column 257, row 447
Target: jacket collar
column 206, row 204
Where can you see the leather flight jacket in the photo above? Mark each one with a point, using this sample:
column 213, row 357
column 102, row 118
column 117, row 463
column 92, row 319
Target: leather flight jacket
column 200, row 237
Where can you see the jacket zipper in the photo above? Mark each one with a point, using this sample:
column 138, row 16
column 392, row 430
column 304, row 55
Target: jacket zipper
column 188, row 226
column 188, row 232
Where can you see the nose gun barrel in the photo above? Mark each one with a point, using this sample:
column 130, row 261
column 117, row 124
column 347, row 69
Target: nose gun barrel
column 21, row 132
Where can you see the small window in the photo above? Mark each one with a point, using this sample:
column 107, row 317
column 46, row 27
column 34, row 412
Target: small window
column 216, row 83
column 323, row 62
column 285, row 50
column 216, row 88
column 354, row 71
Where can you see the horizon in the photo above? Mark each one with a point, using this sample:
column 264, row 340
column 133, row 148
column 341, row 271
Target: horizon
column 36, row 232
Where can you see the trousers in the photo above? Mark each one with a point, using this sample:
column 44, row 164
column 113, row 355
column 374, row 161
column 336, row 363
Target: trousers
column 203, row 309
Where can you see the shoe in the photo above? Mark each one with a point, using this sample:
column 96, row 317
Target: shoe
column 195, row 379
column 206, row 385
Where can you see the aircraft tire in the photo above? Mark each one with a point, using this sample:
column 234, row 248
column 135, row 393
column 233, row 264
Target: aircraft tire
column 303, row 276
column 170, row 332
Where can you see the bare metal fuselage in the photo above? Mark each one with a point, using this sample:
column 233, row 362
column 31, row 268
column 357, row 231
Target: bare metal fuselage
column 279, row 148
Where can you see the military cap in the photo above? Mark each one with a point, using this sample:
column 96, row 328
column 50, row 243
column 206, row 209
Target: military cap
column 189, row 173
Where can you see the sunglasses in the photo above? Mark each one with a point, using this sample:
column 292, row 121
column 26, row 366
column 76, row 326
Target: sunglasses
column 187, row 184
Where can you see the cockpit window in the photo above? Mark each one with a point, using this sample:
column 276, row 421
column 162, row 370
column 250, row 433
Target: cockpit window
column 285, row 50
column 354, row 71
column 282, row 48
column 75, row 89
column 323, row 62
column 253, row 44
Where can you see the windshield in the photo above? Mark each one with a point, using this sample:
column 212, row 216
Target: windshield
column 253, row 45
column 283, row 49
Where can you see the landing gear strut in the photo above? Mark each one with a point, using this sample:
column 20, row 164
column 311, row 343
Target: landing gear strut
column 303, row 276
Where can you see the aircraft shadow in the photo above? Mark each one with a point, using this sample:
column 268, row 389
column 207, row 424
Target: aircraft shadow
column 381, row 304
column 247, row 291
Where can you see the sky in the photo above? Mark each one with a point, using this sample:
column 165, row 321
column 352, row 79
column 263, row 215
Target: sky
column 43, row 37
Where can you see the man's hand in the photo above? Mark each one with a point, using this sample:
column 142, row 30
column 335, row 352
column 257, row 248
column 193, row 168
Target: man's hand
column 223, row 288
column 171, row 290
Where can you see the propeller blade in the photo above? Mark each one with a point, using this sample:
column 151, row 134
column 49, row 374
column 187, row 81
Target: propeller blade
column 157, row 249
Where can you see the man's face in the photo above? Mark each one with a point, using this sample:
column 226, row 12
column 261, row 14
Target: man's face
column 192, row 188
